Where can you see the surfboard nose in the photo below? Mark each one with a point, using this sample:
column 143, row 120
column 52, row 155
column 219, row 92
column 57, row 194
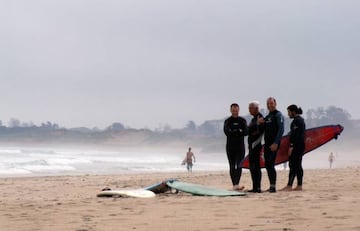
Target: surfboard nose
column 341, row 127
column 338, row 130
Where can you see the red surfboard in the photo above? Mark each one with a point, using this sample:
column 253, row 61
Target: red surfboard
column 314, row 138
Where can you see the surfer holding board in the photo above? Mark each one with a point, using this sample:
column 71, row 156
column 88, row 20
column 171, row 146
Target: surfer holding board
column 296, row 148
column 274, row 129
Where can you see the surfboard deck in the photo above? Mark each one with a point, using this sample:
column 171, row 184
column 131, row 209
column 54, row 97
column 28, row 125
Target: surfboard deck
column 201, row 190
column 138, row 193
column 314, row 138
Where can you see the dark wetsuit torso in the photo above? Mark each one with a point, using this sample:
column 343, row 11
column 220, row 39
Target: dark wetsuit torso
column 274, row 128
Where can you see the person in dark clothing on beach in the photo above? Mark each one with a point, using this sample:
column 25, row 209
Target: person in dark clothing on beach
column 274, row 129
column 296, row 149
column 235, row 128
column 256, row 132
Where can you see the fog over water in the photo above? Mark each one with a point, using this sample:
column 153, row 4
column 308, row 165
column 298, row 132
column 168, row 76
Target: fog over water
column 151, row 63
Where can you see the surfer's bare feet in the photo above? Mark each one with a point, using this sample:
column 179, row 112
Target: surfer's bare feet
column 298, row 188
column 238, row 188
column 287, row 188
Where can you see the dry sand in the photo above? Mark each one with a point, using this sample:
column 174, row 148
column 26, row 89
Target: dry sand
column 330, row 201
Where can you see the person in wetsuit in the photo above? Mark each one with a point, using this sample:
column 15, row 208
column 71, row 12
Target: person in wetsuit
column 256, row 132
column 296, row 149
column 235, row 128
column 274, row 129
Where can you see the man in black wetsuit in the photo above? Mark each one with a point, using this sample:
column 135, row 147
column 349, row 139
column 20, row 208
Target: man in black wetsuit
column 297, row 148
column 274, row 129
column 256, row 132
column 235, row 128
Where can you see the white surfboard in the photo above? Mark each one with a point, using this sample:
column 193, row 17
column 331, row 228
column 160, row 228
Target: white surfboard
column 138, row 193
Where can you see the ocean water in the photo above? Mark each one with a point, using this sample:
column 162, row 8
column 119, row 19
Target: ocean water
column 20, row 161
column 15, row 161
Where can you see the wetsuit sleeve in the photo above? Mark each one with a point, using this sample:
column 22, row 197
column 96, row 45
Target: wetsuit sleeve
column 227, row 128
column 245, row 128
column 260, row 128
column 280, row 124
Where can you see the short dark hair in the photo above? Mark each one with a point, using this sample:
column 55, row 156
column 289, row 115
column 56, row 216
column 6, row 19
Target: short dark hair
column 234, row 105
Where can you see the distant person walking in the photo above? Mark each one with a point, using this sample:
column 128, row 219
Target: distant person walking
column 235, row 128
column 274, row 129
column 331, row 159
column 296, row 149
column 189, row 157
column 256, row 132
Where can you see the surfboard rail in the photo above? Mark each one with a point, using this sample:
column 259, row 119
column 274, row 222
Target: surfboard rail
column 202, row 190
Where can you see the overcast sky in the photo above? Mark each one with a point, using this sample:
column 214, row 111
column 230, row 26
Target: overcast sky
column 150, row 63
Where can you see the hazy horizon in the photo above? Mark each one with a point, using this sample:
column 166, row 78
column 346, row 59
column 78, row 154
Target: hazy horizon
column 153, row 63
column 25, row 123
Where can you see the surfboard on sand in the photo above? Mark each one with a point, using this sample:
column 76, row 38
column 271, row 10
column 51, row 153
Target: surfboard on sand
column 138, row 193
column 201, row 190
column 314, row 138
column 146, row 192
column 160, row 187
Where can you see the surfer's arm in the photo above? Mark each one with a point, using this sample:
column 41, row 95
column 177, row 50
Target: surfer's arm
column 280, row 123
column 226, row 128
column 256, row 127
column 235, row 131
column 245, row 129
column 293, row 136
column 260, row 127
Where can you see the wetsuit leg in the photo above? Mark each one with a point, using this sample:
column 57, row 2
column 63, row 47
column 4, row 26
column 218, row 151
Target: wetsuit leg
column 235, row 158
column 252, row 161
column 254, row 158
column 296, row 170
column 270, row 157
column 293, row 169
column 300, row 174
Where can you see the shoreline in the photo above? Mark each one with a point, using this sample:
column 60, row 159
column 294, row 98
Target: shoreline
column 150, row 172
column 329, row 201
column 279, row 168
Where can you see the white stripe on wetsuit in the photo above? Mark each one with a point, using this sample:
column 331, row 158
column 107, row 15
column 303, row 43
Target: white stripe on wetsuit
column 256, row 142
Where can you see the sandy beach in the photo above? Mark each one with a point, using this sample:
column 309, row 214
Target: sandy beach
column 330, row 201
